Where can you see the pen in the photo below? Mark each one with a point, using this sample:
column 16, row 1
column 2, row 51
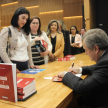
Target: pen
column 72, row 64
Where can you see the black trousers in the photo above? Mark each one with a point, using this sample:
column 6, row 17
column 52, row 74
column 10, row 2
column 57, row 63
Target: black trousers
column 21, row 65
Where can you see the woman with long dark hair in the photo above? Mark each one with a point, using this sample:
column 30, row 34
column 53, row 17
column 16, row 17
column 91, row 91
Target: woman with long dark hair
column 75, row 40
column 19, row 48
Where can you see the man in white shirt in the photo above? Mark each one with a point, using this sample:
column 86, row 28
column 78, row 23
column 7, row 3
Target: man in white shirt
column 95, row 87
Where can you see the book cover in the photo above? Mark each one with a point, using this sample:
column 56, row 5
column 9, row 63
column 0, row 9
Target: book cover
column 24, row 96
column 19, row 91
column 27, row 93
column 32, row 71
column 8, row 82
column 63, row 59
column 44, row 43
column 56, row 78
column 24, row 83
column 69, row 56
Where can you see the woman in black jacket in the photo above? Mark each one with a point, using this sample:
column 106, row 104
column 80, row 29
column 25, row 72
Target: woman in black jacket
column 62, row 28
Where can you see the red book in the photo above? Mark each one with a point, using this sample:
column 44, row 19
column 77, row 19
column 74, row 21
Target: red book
column 27, row 95
column 8, row 82
column 69, row 56
column 44, row 43
column 56, row 78
column 63, row 59
column 23, row 92
column 24, row 83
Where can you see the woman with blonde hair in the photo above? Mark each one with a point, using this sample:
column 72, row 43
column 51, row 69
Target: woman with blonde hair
column 62, row 28
column 56, row 39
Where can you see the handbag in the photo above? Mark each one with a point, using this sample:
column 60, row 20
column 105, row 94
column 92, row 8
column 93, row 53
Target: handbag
column 8, row 44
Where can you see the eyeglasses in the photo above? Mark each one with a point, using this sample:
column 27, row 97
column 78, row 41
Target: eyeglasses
column 35, row 23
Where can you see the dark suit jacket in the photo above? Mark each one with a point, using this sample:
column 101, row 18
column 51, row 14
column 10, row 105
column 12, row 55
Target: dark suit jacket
column 67, row 48
column 94, row 87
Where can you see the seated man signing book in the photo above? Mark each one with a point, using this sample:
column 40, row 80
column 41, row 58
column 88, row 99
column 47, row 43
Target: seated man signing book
column 95, row 87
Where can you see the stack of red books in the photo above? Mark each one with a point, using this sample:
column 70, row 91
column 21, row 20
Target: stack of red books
column 25, row 88
column 66, row 58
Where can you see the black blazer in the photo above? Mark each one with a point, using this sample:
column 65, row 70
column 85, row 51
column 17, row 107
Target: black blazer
column 67, row 48
column 94, row 87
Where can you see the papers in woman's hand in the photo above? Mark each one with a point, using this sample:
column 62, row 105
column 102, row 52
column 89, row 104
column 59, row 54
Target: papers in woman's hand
column 78, row 42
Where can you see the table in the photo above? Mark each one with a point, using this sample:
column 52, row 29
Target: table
column 50, row 94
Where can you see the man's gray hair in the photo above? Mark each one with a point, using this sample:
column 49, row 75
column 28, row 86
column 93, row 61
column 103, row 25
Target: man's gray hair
column 96, row 37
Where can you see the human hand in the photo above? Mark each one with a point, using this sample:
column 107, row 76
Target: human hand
column 43, row 54
column 52, row 57
column 37, row 38
column 61, row 74
column 74, row 70
column 37, row 67
column 17, row 71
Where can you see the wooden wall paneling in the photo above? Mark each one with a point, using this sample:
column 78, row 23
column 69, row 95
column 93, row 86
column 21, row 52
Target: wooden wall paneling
column 72, row 9
column 87, row 13
column 28, row 3
column 70, row 1
column 0, row 15
column 50, row 5
column 7, row 12
column 34, row 12
column 73, row 21
column 46, row 18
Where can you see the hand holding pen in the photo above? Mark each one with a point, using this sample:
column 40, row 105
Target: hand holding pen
column 73, row 69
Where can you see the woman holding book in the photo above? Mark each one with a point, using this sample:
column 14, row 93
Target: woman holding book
column 37, row 35
column 75, row 41
column 19, row 43
column 56, row 39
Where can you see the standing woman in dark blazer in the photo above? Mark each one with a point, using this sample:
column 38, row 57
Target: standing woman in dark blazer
column 62, row 28
column 56, row 39
column 19, row 48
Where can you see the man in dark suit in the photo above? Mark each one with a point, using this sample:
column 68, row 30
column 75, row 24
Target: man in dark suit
column 95, row 87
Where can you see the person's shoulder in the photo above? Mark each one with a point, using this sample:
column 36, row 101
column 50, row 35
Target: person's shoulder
column 4, row 30
column 59, row 33
column 66, row 31
column 78, row 35
column 43, row 34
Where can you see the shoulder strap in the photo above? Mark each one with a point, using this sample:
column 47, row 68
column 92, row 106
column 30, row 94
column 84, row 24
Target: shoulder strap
column 9, row 32
column 9, row 39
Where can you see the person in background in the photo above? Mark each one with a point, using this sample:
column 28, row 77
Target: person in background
column 36, row 34
column 56, row 39
column 82, row 32
column 62, row 28
column 75, row 41
column 94, row 88
column 19, row 48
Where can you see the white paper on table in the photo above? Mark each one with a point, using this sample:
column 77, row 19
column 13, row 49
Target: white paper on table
column 47, row 77
column 78, row 75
